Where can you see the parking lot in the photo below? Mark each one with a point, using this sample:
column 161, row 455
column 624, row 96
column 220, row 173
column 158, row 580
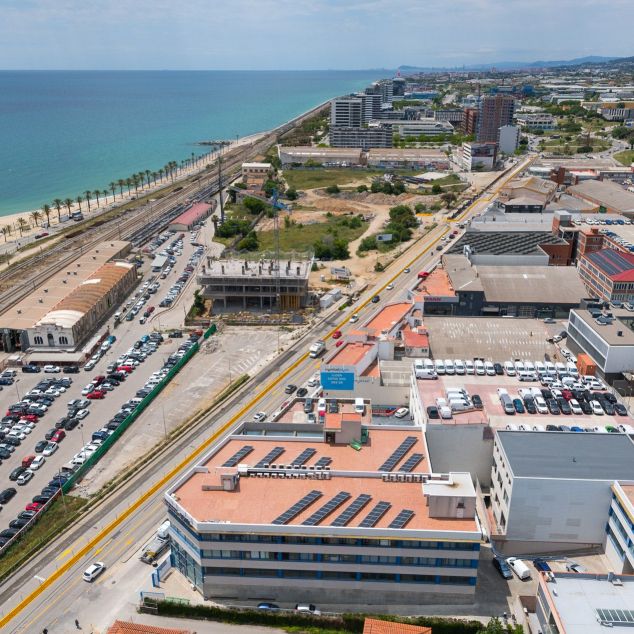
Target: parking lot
column 492, row 339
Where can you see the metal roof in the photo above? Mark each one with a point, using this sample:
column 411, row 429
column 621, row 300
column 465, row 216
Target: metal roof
column 568, row 455
column 505, row 242
column 606, row 193
column 618, row 266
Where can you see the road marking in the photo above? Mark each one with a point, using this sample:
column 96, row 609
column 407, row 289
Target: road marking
column 64, row 554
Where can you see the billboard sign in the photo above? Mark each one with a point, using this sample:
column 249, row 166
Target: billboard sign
column 337, row 380
column 440, row 299
column 384, row 237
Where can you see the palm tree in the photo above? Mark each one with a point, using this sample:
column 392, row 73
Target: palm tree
column 121, row 183
column 79, row 200
column 58, row 205
column 161, row 173
column 6, row 230
column 46, row 210
column 23, row 225
column 88, row 195
column 35, row 217
column 154, row 177
column 105, row 196
column 68, row 202
column 113, row 187
column 148, row 174
column 193, row 159
column 128, row 183
column 135, row 182
column 214, row 219
column 96, row 193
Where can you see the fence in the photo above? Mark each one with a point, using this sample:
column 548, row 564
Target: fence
column 112, row 439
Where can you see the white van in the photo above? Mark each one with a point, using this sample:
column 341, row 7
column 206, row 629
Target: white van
column 519, row 568
column 489, row 368
column 458, row 405
column 359, row 406
column 449, row 367
column 560, row 368
column 445, row 412
column 571, row 368
column 479, row 367
column 507, row 404
column 422, row 372
column 550, row 368
column 519, row 366
column 429, row 364
column 509, row 368
column 460, row 366
column 469, row 367
column 440, row 366
column 457, row 392
column 540, row 367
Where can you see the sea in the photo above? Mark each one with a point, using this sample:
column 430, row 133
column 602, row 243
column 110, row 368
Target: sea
column 64, row 132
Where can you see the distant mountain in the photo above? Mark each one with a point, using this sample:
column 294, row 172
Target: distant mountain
column 590, row 59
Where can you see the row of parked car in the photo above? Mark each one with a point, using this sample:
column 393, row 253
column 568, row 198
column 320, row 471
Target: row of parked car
column 177, row 287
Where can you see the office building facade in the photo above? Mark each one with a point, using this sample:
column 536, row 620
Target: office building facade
column 377, row 136
column 495, row 111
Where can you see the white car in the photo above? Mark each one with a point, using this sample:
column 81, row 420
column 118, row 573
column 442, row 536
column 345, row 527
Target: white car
column 314, row 381
column 38, row 461
column 469, row 367
column 82, row 413
column 259, row 417
column 354, row 319
column 88, row 389
column 25, row 477
column 597, row 410
column 540, row 404
column 93, row 571
column 574, row 406
column 460, row 366
column 389, row 287
column 50, row 449
column 489, row 368
column 321, row 406
column 401, row 412
column 52, row 369
column 90, row 365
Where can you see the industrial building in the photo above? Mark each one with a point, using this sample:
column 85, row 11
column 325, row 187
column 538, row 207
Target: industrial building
column 243, row 284
column 608, row 197
column 339, row 513
column 65, row 310
column 404, row 158
column 464, row 288
column 255, row 175
column 193, row 216
column 608, row 340
column 584, row 603
column 608, row 275
column 619, row 547
column 324, row 156
column 539, row 190
column 552, row 492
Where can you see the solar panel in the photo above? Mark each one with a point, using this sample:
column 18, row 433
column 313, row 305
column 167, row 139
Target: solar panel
column 401, row 519
column 343, row 518
column 616, row 616
column 241, row 453
column 327, row 509
column 297, row 508
column 323, row 462
column 411, row 462
column 375, row 515
column 303, row 457
column 270, row 457
column 398, row 454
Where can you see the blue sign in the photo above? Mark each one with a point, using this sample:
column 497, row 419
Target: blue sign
column 337, row 380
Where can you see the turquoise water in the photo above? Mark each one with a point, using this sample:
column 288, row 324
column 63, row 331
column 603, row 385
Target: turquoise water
column 62, row 133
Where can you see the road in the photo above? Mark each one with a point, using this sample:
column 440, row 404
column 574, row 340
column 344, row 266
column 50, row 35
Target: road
column 49, row 591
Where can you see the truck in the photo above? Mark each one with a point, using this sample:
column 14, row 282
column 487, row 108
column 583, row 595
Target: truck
column 316, row 349
column 158, row 545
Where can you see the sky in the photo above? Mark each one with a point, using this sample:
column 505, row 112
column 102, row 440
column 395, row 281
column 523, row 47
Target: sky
column 306, row 34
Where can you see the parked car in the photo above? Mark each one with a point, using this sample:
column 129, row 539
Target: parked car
column 502, row 567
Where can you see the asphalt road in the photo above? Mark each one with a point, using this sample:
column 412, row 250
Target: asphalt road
column 139, row 504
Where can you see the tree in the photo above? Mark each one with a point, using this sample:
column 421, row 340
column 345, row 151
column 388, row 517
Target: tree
column 495, row 626
column 214, row 220
column 254, row 205
column 105, row 196
column 23, row 225
column 148, row 174
column 46, row 210
column 249, row 242
column 113, row 188
column 79, row 200
column 120, row 184
column 368, row 244
column 291, row 194
column 128, row 183
column 362, row 188
column 6, row 230
column 35, row 217
column 88, row 195
column 333, row 189
column 399, row 188
column 436, row 189
column 448, row 198
column 199, row 302
column 376, row 187
column 96, row 193
column 58, row 202
column 69, row 203
column 420, row 208
column 403, row 214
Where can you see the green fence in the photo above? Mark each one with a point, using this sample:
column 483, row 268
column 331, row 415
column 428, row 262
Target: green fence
column 112, row 439
column 210, row 331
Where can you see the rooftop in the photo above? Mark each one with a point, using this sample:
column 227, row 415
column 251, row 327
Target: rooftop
column 437, row 284
column 329, row 152
column 375, row 626
column 352, row 473
column 388, row 317
column 617, row 266
column 619, row 332
column 127, row 627
column 399, row 154
column 196, row 213
column 263, row 268
column 505, row 242
column 350, row 353
column 415, row 337
column 605, row 192
column 30, row 310
column 533, row 183
column 569, row 455
column 577, row 598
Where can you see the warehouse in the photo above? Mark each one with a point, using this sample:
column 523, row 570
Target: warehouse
column 325, row 156
column 408, row 158
column 195, row 215
column 608, row 197
column 67, row 308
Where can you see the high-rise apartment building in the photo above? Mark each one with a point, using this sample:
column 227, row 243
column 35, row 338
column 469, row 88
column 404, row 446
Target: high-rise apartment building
column 495, row 111
column 354, row 111
column 470, row 121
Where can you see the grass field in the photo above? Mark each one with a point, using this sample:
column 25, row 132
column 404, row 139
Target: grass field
column 626, row 158
column 310, row 178
column 300, row 237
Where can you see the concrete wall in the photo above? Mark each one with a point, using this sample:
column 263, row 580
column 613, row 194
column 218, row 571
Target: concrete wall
column 558, row 511
column 461, row 448
column 370, row 388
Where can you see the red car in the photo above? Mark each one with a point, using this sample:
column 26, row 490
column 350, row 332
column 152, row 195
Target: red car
column 150, row 310
column 336, row 334
column 98, row 380
column 339, row 343
column 125, row 368
column 567, row 394
column 33, row 506
column 96, row 394
column 423, row 275
column 58, row 436
column 32, row 418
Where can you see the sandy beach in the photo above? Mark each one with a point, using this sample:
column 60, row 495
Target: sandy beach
column 17, row 234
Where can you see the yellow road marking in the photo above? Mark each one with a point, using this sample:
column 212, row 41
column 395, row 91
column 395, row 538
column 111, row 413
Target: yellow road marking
column 159, row 484
column 64, row 554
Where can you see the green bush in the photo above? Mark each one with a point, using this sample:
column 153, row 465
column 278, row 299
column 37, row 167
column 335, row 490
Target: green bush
column 249, row 242
column 362, row 188
column 291, row 194
column 254, row 205
column 332, row 189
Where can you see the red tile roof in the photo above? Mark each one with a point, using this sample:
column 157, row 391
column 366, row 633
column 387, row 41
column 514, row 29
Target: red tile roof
column 374, row 626
column 196, row 212
column 126, row 627
column 415, row 338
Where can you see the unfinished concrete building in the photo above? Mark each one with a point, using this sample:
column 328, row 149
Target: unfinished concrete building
column 236, row 285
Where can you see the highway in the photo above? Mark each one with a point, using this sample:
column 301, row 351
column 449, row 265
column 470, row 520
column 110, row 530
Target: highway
column 49, row 593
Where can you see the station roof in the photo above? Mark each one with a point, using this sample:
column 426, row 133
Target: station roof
column 46, row 297
column 260, row 500
column 196, row 213
column 589, row 456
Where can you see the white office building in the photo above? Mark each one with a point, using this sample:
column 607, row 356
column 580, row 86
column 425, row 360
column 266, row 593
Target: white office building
column 508, row 138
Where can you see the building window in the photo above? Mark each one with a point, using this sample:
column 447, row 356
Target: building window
column 63, row 341
column 38, row 341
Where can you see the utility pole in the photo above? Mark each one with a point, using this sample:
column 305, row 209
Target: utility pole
column 222, row 204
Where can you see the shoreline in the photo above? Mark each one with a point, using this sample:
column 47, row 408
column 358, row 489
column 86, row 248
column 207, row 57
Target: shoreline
column 17, row 240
